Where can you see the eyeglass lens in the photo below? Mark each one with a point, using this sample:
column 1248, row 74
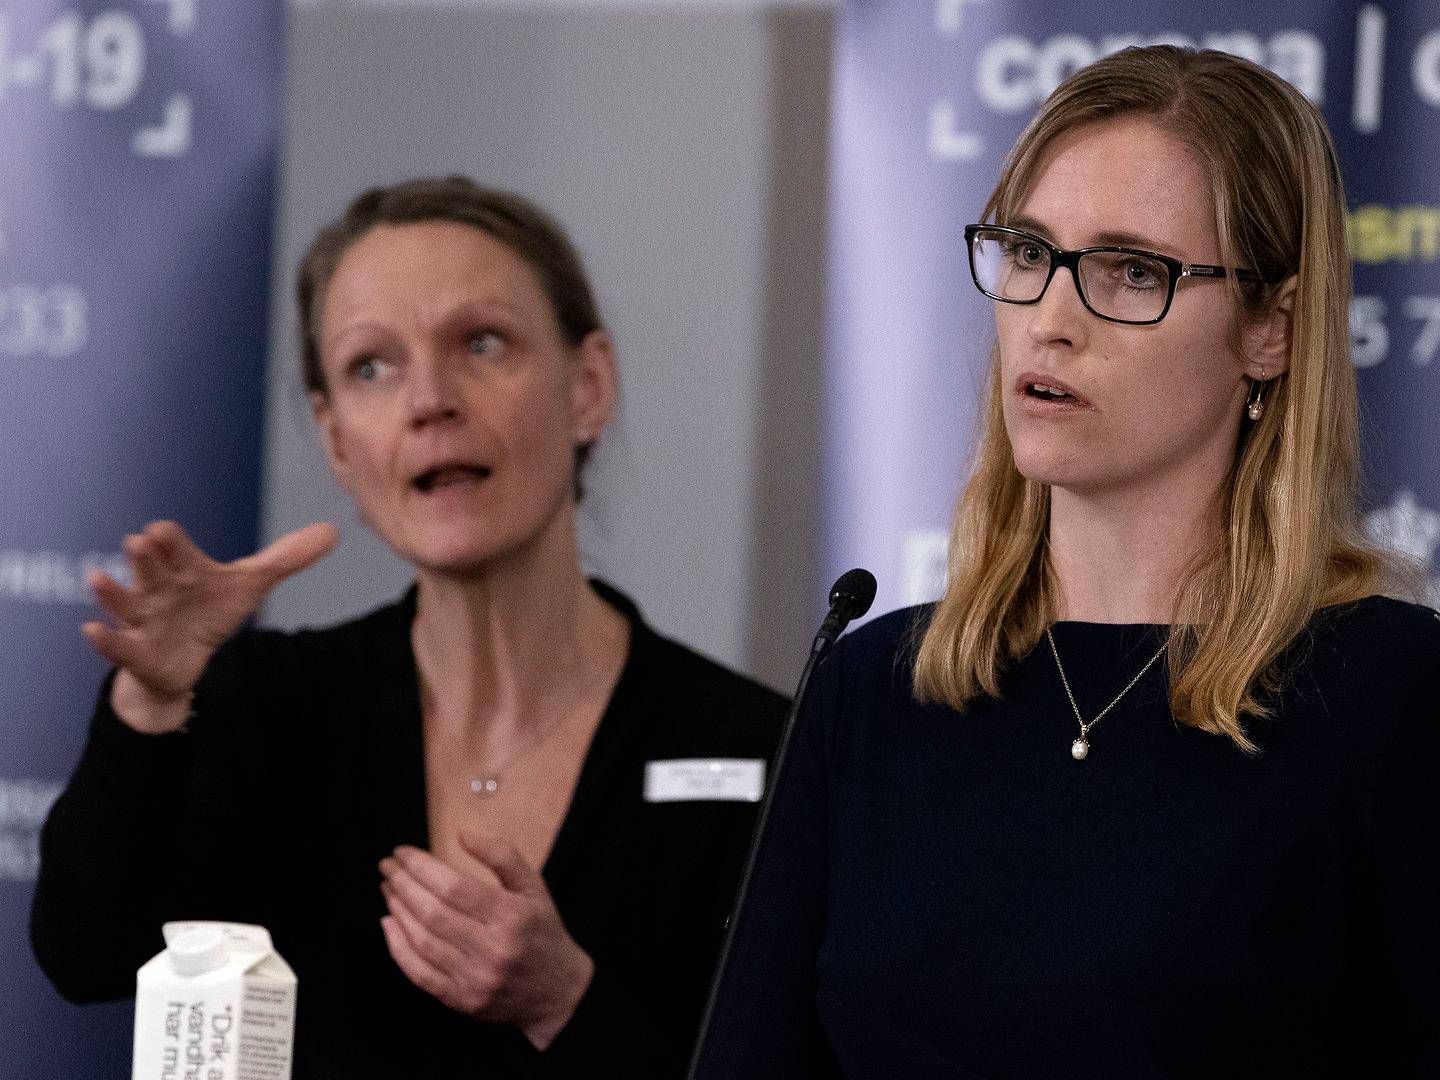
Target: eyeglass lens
column 1118, row 285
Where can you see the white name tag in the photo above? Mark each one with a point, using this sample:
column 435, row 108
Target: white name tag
column 705, row 780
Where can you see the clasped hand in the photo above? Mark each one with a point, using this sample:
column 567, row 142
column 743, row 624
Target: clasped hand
column 488, row 943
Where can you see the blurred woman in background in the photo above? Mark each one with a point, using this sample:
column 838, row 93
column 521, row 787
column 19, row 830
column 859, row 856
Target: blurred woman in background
column 439, row 810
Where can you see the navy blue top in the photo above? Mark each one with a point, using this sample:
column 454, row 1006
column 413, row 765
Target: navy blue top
column 953, row 895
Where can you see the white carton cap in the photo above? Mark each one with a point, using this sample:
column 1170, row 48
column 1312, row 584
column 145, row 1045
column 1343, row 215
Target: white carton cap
column 197, row 951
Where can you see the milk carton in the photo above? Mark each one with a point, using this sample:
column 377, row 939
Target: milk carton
column 217, row 1004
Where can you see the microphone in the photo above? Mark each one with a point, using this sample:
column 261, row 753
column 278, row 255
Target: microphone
column 850, row 597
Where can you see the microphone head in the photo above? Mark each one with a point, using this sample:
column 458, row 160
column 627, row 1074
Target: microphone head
column 853, row 593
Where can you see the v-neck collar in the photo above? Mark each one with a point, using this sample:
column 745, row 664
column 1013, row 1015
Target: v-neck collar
column 398, row 733
column 607, row 744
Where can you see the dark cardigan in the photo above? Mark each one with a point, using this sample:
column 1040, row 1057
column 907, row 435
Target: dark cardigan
column 303, row 768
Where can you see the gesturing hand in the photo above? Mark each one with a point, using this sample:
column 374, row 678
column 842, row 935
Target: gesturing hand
column 179, row 609
column 489, row 944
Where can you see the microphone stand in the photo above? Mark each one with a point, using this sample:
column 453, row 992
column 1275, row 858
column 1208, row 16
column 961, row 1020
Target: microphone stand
column 850, row 597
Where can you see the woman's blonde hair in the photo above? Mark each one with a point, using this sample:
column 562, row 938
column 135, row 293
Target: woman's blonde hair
column 1291, row 541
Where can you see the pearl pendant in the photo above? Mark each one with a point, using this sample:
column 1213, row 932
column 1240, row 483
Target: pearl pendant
column 1255, row 410
column 487, row 785
column 1079, row 748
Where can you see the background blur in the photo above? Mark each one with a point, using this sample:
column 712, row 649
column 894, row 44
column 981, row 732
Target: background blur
column 768, row 197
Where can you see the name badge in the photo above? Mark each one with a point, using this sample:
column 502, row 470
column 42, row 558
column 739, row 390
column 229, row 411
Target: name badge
column 705, row 780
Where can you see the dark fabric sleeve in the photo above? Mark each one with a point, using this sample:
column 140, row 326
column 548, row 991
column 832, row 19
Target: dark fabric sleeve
column 610, row 1026
column 1406, row 891
column 102, row 887
column 153, row 828
column 765, row 1023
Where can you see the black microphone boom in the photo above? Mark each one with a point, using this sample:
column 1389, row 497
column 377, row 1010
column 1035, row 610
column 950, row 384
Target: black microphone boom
column 850, row 597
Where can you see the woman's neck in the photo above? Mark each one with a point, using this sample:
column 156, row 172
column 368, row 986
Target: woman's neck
column 1120, row 558
column 514, row 644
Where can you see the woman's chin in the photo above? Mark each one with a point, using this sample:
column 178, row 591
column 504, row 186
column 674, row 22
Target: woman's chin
column 476, row 543
column 1054, row 469
column 453, row 556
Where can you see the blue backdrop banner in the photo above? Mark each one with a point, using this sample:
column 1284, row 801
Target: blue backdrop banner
column 929, row 97
column 136, row 190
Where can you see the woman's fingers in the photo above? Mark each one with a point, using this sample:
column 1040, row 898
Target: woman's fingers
column 422, row 973
column 130, row 652
column 162, row 556
column 475, row 896
column 122, row 648
column 503, row 860
column 292, row 552
column 440, row 916
column 438, row 935
column 99, row 635
column 118, row 601
column 174, row 547
column 146, row 565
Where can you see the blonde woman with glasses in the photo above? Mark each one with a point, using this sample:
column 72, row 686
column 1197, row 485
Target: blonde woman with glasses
column 1152, row 790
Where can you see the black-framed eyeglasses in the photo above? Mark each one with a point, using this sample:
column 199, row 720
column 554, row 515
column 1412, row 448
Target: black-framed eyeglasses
column 1118, row 284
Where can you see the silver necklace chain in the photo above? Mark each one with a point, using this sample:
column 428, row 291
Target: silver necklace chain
column 487, row 781
column 1081, row 746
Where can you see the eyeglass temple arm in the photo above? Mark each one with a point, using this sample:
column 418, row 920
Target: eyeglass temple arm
column 1206, row 270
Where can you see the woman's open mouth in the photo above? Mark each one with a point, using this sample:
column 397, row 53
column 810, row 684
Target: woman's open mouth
column 449, row 476
column 1044, row 392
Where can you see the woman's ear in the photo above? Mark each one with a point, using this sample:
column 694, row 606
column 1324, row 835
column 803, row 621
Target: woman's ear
column 594, row 386
column 330, row 437
column 1267, row 337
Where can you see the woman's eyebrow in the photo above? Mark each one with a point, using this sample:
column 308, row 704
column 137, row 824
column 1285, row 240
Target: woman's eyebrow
column 1029, row 224
column 483, row 307
column 337, row 338
column 1129, row 239
column 1114, row 237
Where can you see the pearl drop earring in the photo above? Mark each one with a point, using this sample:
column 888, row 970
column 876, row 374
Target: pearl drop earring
column 1254, row 407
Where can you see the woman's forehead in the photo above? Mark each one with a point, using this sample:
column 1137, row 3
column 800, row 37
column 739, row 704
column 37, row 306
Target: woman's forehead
column 429, row 265
column 438, row 248
column 1126, row 181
